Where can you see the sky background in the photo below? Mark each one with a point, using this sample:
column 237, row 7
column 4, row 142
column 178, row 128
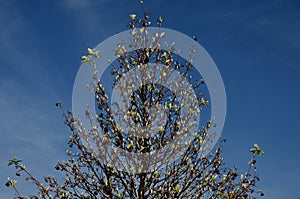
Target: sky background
column 255, row 44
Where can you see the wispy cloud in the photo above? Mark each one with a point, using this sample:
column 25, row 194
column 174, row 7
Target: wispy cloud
column 14, row 25
column 28, row 125
column 88, row 16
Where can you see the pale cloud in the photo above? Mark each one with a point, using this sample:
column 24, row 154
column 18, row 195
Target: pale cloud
column 28, row 128
column 77, row 4
column 94, row 20
column 22, row 61
column 82, row 4
column 11, row 22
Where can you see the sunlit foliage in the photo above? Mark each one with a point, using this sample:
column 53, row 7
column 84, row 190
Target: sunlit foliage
column 192, row 175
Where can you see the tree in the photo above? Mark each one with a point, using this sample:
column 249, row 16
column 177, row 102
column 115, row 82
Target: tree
column 92, row 172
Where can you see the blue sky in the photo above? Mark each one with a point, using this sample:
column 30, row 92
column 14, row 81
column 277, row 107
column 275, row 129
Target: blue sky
column 255, row 44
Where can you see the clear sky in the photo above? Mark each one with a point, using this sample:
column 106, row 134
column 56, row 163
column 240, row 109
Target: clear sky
column 255, row 44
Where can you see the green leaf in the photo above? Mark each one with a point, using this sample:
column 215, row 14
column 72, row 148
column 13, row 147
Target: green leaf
column 259, row 152
column 256, row 150
column 14, row 161
column 90, row 51
column 97, row 54
column 132, row 17
column 214, row 177
column 177, row 188
column 84, row 59
column 156, row 174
